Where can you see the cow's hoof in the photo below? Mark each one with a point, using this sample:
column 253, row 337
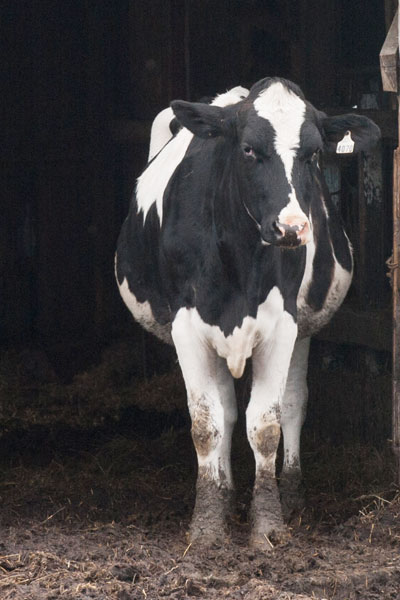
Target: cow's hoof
column 267, row 541
column 201, row 538
column 292, row 493
column 208, row 527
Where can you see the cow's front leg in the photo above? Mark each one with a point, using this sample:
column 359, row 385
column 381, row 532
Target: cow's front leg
column 271, row 361
column 293, row 413
column 212, row 407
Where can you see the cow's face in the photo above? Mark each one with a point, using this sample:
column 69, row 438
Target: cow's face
column 278, row 147
column 274, row 137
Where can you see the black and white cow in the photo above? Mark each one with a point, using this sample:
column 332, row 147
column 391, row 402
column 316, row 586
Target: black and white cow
column 233, row 249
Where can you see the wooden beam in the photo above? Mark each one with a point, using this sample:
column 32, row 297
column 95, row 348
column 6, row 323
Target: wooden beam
column 390, row 11
column 396, row 312
column 389, row 58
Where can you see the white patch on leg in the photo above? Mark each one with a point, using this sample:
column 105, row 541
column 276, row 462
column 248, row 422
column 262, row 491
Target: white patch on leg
column 211, row 399
column 271, row 360
column 293, row 408
column 200, row 348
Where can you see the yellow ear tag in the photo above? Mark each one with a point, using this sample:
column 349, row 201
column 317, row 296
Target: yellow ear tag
column 346, row 145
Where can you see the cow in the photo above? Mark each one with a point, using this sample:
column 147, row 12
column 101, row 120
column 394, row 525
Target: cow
column 233, row 249
column 165, row 125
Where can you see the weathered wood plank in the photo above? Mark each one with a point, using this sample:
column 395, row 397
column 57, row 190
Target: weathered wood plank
column 396, row 312
column 389, row 58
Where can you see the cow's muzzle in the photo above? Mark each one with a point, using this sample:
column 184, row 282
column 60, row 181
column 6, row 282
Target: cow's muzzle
column 293, row 233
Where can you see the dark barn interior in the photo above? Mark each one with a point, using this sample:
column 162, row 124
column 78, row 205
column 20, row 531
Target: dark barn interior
column 80, row 85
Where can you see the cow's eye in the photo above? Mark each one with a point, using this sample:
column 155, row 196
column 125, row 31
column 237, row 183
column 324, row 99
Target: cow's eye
column 248, row 151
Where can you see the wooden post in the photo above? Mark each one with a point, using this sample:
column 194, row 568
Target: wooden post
column 389, row 60
column 396, row 312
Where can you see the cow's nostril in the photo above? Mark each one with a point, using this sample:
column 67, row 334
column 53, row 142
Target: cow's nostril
column 285, row 229
column 278, row 228
column 291, row 234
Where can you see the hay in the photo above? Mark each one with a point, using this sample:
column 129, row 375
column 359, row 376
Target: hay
column 93, row 399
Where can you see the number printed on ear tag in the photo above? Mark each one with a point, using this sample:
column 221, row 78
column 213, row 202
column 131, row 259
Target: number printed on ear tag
column 346, row 145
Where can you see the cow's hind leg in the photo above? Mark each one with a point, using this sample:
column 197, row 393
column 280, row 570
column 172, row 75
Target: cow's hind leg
column 293, row 412
column 271, row 361
column 212, row 407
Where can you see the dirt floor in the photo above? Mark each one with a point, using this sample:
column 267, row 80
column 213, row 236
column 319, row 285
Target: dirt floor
column 97, row 484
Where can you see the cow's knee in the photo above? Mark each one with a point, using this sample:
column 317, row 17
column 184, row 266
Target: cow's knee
column 266, row 441
column 207, row 426
column 263, row 432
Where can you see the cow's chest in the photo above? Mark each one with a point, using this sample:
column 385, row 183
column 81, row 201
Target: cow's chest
column 252, row 332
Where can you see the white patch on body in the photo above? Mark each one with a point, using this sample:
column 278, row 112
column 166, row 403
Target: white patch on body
column 309, row 320
column 285, row 111
column 160, row 132
column 152, row 183
column 143, row 314
column 232, row 96
column 237, row 347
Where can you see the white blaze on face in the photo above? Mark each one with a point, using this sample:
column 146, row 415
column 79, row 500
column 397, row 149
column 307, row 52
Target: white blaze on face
column 285, row 111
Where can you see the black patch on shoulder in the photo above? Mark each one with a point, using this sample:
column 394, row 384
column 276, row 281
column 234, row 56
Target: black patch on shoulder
column 323, row 263
column 339, row 240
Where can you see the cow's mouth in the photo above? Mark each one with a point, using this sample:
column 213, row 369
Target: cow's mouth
column 292, row 234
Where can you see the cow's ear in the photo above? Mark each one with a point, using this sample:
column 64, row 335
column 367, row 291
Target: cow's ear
column 201, row 119
column 363, row 132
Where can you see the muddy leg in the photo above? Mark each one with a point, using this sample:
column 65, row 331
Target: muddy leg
column 270, row 367
column 212, row 407
column 292, row 418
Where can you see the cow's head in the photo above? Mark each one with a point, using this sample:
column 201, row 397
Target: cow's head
column 275, row 137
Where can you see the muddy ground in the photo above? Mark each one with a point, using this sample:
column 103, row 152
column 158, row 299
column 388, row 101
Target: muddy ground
column 97, row 484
